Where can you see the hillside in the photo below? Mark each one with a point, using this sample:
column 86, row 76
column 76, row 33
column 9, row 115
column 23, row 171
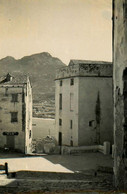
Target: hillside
column 41, row 69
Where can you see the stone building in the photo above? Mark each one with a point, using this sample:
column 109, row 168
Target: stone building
column 15, row 113
column 84, row 103
column 120, row 92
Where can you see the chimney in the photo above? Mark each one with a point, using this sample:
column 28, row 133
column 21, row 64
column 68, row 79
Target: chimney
column 8, row 77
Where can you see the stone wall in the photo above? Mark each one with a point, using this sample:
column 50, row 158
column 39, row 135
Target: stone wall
column 84, row 69
column 120, row 65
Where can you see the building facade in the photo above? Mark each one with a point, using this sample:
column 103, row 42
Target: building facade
column 120, row 92
column 15, row 113
column 84, row 103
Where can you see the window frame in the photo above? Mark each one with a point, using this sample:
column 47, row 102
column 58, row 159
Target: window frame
column 60, row 122
column 71, row 81
column 61, row 82
column 14, row 97
column 60, row 101
column 14, row 117
column 71, row 102
column 71, row 124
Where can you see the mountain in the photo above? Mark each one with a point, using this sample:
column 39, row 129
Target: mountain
column 41, row 69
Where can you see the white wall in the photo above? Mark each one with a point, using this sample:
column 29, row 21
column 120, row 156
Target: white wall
column 89, row 88
column 85, row 90
column 66, row 114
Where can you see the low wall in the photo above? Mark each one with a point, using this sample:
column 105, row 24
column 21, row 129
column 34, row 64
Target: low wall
column 43, row 127
column 105, row 149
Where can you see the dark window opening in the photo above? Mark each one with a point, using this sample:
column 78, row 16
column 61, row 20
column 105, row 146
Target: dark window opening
column 71, row 143
column 14, row 117
column 29, row 134
column 60, row 138
column 71, row 81
column 125, row 9
column 71, row 124
column 14, row 98
column 60, row 101
column 60, row 122
column 71, row 101
column 91, row 123
column 61, row 82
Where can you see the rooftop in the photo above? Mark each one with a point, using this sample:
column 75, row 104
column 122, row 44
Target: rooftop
column 78, row 62
column 85, row 68
column 10, row 79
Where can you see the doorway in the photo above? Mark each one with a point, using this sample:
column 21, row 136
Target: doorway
column 10, row 141
column 60, row 139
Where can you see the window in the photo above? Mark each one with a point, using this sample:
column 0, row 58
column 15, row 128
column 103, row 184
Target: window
column 91, row 123
column 14, row 98
column 60, row 101
column 14, row 117
column 125, row 9
column 60, row 122
column 71, row 81
column 71, row 124
column 71, row 101
column 71, row 143
column 6, row 91
column 29, row 134
column 61, row 82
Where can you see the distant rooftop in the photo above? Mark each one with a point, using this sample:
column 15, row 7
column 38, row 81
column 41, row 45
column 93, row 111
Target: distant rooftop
column 78, row 62
column 17, row 79
column 86, row 68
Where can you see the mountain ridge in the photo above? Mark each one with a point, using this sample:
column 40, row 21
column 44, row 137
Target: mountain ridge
column 41, row 68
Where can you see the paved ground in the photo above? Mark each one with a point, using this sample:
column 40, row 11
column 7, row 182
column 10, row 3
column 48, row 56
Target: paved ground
column 56, row 163
column 56, row 173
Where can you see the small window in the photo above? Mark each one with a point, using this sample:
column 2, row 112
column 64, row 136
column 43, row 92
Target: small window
column 71, row 143
column 71, row 101
column 14, row 117
column 14, row 98
column 29, row 134
column 91, row 123
column 71, row 124
column 60, row 122
column 60, row 101
column 71, row 81
column 125, row 9
column 61, row 82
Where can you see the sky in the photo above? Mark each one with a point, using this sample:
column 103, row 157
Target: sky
column 67, row 29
